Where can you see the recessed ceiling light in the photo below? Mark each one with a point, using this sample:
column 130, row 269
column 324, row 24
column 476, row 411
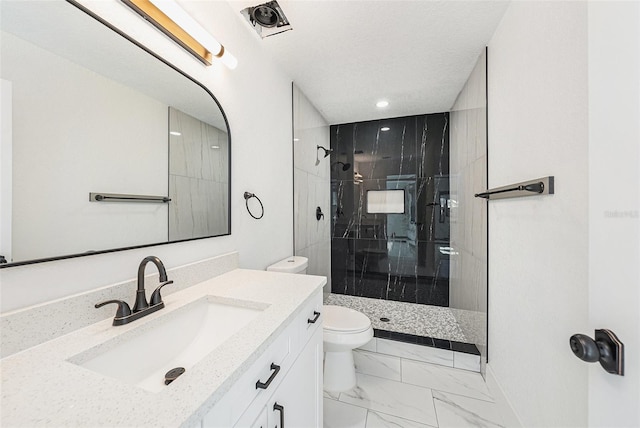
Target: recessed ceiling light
column 382, row 104
column 177, row 134
column 385, row 128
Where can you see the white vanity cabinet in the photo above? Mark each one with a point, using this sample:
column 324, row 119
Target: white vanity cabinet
column 289, row 373
column 295, row 404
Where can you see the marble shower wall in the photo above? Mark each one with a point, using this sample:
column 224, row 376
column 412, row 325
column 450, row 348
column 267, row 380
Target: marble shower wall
column 402, row 257
column 468, row 284
column 198, row 178
column 312, row 237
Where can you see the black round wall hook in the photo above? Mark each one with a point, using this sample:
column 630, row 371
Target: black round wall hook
column 249, row 195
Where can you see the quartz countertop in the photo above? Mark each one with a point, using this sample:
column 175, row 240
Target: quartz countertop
column 41, row 387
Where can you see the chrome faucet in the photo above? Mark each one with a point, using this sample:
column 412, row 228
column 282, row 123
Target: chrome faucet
column 141, row 308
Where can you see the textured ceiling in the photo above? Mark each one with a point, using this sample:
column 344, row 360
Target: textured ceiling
column 346, row 55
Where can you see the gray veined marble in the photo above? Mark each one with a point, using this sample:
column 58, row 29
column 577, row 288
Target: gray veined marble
column 427, row 395
column 451, row 380
column 457, row 411
column 375, row 364
column 198, row 174
column 393, row 398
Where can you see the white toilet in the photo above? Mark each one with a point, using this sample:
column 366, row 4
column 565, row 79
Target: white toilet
column 344, row 329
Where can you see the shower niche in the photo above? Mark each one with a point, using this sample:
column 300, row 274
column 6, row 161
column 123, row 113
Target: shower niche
column 390, row 225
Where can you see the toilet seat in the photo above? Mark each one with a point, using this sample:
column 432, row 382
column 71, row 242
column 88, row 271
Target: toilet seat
column 338, row 319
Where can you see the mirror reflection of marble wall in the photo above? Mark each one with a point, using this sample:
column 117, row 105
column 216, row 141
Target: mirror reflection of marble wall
column 198, row 178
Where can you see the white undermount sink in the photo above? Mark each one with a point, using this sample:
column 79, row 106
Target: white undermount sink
column 142, row 356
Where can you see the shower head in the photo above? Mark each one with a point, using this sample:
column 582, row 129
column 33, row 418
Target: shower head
column 345, row 166
column 327, row 152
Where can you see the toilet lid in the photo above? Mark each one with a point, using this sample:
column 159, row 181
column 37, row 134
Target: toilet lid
column 339, row 318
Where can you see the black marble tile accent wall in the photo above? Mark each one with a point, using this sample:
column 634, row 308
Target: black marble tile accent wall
column 393, row 256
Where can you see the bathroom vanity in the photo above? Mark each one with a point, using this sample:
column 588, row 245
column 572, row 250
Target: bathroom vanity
column 250, row 343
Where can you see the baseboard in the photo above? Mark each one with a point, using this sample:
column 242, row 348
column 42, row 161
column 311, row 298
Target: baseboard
column 509, row 416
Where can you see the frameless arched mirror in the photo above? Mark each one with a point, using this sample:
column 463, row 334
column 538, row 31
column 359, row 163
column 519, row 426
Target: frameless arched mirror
column 104, row 145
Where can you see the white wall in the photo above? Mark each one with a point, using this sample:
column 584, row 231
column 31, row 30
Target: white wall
column 311, row 187
column 538, row 246
column 614, row 205
column 257, row 100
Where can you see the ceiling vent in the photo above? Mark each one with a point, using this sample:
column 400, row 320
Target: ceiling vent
column 267, row 19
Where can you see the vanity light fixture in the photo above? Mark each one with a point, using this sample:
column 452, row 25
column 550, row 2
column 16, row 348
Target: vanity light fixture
column 177, row 24
column 175, row 133
column 385, row 128
column 382, row 104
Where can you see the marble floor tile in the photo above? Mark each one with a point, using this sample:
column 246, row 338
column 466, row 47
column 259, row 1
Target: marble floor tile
column 466, row 361
column 457, row 411
column 427, row 354
column 342, row 415
column 332, row 395
column 381, row 420
column 379, row 365
column 394, row 398
column 445, row 379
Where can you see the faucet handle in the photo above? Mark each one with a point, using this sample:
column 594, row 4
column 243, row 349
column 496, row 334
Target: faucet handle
column 156, row 298
column 123, row 308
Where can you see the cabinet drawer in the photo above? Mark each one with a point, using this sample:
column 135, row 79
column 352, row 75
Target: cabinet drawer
column 310, row 320
column 262, row 420
column 269, row 370
column 244, row 391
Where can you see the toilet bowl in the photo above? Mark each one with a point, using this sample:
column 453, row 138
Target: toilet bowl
column 344, row 329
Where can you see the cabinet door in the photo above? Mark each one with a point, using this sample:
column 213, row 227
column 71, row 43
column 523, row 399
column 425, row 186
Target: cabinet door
column 262, row 421
column 297, row 403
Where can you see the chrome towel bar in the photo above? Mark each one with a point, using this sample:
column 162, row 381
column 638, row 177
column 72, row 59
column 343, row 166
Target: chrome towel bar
column 540, row 186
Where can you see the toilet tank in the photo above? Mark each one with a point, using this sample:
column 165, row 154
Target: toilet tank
column 293, row 264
